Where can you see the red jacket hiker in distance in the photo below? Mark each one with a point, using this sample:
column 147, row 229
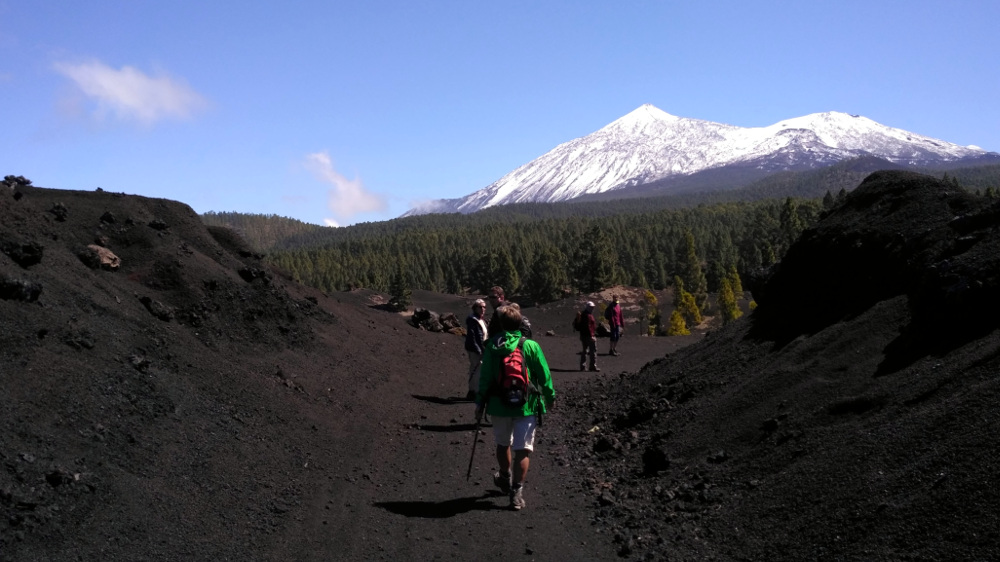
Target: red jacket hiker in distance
column 588, row 337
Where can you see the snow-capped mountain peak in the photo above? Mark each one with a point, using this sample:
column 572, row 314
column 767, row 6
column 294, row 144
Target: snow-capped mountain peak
column 649, row 144
column 642, row 117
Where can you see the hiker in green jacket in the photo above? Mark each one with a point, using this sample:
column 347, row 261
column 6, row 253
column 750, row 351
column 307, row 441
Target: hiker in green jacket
column 513, row 426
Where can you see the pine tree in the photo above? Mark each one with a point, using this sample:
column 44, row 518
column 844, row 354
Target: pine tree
column 401, row 297
column 651, row 313
column 689, row 270
column 791, row 223
column 677, row 327
column 548, row 276
column 828, row 201
column 691, row 310
column 507, row 277
column 734, row 281
column 595, row 261
column 767, row 254
column 686, row 304
column 727, row 303
column 483, row 273
column 714, row 275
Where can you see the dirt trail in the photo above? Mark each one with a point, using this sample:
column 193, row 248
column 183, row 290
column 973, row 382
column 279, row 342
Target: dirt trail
column 407, row 495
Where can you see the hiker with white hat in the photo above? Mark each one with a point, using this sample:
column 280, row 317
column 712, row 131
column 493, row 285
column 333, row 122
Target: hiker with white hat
column 475, row 337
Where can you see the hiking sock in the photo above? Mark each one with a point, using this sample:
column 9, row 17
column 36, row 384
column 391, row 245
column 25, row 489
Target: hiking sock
column 517, row 496
column 502, row 481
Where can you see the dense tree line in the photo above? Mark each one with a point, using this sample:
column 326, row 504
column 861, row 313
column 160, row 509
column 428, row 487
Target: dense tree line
column 543, row 258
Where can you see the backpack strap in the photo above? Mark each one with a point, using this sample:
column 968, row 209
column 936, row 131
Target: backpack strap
column 531, row 382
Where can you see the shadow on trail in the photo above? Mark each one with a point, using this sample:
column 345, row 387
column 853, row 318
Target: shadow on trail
column 441, row 510
column 439, row 400
column 449, row 428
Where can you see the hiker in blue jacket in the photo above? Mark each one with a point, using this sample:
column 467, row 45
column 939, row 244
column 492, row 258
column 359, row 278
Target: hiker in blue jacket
column 513, row 426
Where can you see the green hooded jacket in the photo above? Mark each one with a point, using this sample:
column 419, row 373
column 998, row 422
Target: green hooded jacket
column 538, row 375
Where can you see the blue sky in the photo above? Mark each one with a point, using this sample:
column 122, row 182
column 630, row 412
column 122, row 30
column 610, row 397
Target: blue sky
column 344, row 112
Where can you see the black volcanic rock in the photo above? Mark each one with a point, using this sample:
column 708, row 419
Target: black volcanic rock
column 19, row 289
column 24, row 253
column 898, row 233
column 850, row 416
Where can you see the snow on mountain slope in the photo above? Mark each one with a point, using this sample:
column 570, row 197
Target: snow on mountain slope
column 649, row 144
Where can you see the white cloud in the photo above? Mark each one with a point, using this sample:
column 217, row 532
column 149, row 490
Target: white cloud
column 347, row 197
column 129, row 94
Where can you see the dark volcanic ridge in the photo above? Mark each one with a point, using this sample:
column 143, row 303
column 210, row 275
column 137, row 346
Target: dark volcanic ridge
column 186, row 404
column 852, row 416
column 167, row 396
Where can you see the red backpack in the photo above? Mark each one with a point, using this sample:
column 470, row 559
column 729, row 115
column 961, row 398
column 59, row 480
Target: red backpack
column 512, row 382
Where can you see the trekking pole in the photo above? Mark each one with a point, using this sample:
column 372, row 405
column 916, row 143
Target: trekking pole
column 475, row 441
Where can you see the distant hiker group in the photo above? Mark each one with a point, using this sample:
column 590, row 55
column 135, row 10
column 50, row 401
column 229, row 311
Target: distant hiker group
column 587, row 326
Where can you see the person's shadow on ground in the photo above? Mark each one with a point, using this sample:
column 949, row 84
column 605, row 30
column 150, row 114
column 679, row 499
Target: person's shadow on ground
column 449, row 428
column 441, row 510
column 439, row 400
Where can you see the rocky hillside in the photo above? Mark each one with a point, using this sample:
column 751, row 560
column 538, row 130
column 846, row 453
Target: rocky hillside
column 166, row 396
column 851, row 417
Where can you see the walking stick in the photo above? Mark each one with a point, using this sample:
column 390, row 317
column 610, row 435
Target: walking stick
column 475, row 441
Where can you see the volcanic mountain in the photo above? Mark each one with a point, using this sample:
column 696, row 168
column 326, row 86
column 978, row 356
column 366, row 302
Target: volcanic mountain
column 649, row 145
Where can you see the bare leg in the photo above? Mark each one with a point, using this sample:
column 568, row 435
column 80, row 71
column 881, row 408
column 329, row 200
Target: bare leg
column 503, row 458
column 521, row 463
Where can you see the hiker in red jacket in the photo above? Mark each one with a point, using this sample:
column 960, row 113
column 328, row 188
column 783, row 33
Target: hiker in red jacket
column 588, row 337
column 616, row 322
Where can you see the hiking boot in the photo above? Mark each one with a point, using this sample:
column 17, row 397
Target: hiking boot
column 517, row 498
column 583, row 367
column 595, row 369
column 502, row 481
